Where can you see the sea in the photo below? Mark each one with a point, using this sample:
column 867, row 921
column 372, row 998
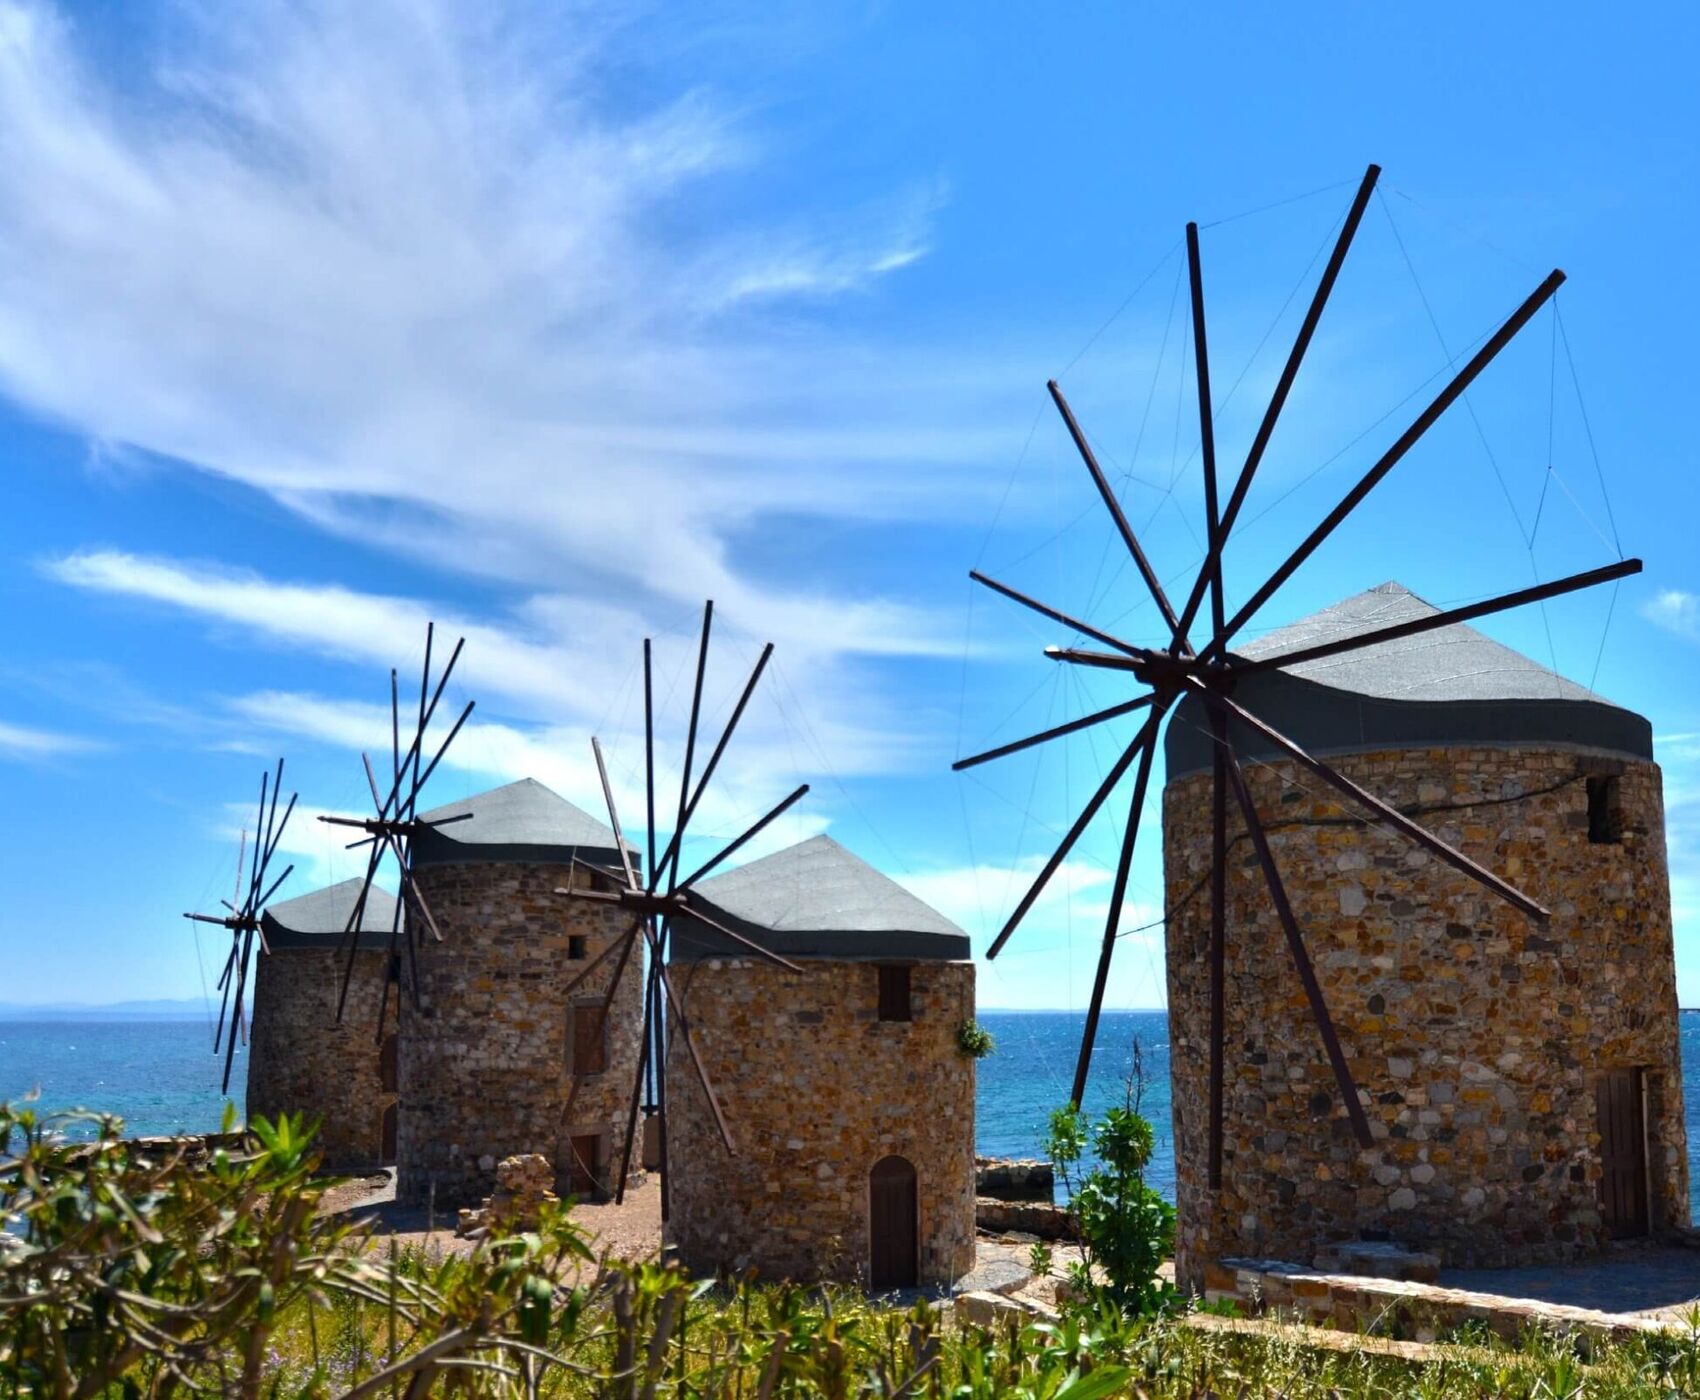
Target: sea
column 162, row 1076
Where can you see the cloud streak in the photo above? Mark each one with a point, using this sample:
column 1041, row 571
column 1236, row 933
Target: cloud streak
column 1676, row 611
column 394, row 266
column 18, row 741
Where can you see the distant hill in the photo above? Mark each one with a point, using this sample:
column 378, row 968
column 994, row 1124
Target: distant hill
column 187, row 1009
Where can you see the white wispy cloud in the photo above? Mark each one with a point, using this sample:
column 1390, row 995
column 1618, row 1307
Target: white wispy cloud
column 559, row 757
column 1050, row 961
column 315, row 849
column 1676, row 611
column 977, row 897
column 557, row 668
column 394, row 265
column 18, row 741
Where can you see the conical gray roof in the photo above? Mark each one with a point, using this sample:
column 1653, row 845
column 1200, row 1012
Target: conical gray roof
column 818, row 900
column 521, row 821
column 319, row 919
column 1450, row 663
column 1448, row 687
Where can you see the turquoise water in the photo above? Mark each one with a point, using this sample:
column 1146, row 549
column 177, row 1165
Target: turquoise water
column 162, row 1077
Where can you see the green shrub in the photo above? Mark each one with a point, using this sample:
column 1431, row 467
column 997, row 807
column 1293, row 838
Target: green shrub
column 1126, row 1228
column 974, row 1040
column 132, row 1271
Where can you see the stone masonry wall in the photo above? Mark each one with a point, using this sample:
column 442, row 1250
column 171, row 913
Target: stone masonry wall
column 1473, row 1032
column 301, row 1061
column 485, row 1070
column 816, row 1090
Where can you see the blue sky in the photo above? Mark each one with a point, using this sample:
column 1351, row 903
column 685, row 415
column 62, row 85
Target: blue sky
column 549, row 322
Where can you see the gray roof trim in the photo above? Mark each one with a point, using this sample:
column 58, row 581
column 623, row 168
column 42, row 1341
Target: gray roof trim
column 319, row 919
column 519, row 823
column 1446, row 688
column 817, row 900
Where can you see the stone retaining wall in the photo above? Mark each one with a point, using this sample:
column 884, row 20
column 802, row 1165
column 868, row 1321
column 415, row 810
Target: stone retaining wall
column 1474, row 1033
column 1048, row 1222
column 1415, row 1311
column 1014, row 1178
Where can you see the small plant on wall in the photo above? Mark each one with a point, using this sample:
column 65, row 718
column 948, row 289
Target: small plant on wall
column 974, row 1040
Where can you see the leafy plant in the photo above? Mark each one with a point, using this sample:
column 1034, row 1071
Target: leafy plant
column 974, row 1040
column 1126, row 1228
column 142, row 1270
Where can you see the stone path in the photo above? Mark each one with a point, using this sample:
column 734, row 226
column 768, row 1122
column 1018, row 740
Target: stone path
column 1643, row 1280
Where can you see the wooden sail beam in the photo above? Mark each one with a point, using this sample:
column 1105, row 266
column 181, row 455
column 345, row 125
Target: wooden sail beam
column 1218, row 941
column 1073, row 726
column 1468, row 613
column 731, row 848
column 696, row 713
column 1116, row 513
column 1118, row 893
column 645, row 1048
column 1301, row 957
column 1146, row 736
column 670, row 857
column 1387, row 815
column 678, row 1006
column 1206, row 440
column 1391, row 458
column 1212, row 569
column 1074, row 624
column 623, row 945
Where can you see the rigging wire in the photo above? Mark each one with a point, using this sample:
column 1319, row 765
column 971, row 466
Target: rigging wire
column 1277, row 204
column 1587, row 425
column 1469, row 405
column 1126, row 301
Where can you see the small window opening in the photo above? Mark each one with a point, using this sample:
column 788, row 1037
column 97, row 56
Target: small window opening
column 575, row 947
column 1605, row 812
column 589, row 1039
column 894, row 994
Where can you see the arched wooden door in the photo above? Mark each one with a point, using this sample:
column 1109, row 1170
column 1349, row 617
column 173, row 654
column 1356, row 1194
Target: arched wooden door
column 892, row 1224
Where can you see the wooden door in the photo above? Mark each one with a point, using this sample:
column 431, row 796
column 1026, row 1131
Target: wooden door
column 584, row 1165
column 1623, row 1152
column 892, row 1224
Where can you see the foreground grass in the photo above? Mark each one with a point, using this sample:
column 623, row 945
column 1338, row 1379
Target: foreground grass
column 128, row 1272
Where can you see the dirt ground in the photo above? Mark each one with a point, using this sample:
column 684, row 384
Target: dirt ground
column 631, row 1230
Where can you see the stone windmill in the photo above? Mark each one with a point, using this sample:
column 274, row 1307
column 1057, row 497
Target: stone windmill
column 652, row 903
column 242, row 916
column 1209, row 677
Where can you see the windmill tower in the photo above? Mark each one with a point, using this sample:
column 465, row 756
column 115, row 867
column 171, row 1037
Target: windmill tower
column 1196, row 675
column 1522, row 1081
column 504, row 1018
column 853, row 1101
column 301, row 1058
